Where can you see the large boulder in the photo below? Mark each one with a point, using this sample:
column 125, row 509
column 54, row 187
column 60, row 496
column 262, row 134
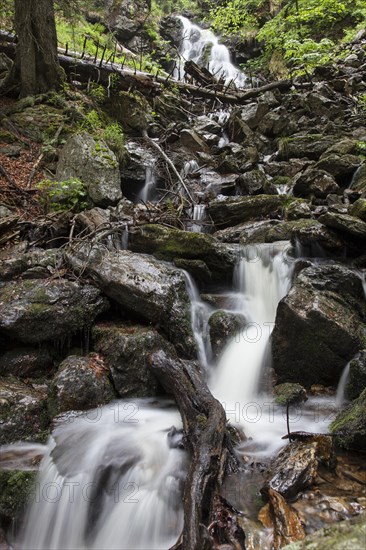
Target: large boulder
column 34, row 311
column 23, row 411
column 223, row 325
column 353, row 227
column 311, row 146
column 315, row 239
column 27, row 361
column 143, row 286
column 81, row 383
column 242, row 209
column 125, row 349
column 171, row 244
column 350, row 425
column 357, row 376
column 91, row 161
column 341, row 167
column 127, row 18
column 319, row 326
column 358, row 209
column 312, row 182
column 132, row 111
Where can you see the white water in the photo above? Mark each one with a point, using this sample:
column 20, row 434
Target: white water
column 203, row 47
column 148, row 189
column 198, row 215
column 110, row 480
column 341, row 389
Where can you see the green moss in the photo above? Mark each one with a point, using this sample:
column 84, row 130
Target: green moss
column 350, row 425
column 15, row 488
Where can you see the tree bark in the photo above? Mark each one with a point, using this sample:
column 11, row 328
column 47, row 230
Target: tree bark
column 36, row 63
column 207, row 440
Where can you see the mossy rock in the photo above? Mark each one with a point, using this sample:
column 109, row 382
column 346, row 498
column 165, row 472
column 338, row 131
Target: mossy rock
column 345, row 535
column 358, row 209
column 357, row 376
column 350, row 425
column 15, row 489
column 223, row 325
column 289, row 393
column 131, row 110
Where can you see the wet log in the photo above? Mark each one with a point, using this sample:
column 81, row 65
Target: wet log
column 200, row 74
column 211, row 454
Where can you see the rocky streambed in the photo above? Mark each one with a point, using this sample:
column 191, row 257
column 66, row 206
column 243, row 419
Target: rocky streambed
column 87, row 298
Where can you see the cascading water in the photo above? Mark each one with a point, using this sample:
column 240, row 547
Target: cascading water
column 341, row 389
column 203, row 47
column 111, row 478
column 147, row 191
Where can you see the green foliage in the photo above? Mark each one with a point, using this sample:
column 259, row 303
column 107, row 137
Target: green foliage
column 97, row 92
column 307, row 54
column 114, row 138
column 59, row 196
column 235, row 16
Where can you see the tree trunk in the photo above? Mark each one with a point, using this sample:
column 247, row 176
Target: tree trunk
column 36, row 64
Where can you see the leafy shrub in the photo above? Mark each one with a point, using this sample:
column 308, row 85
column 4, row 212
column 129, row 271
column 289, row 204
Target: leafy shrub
column 59, row 196
column 114, row 138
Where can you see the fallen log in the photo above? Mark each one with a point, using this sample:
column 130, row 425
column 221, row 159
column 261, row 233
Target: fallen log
column 199, row 73
column 129, row 79
column 211, row 454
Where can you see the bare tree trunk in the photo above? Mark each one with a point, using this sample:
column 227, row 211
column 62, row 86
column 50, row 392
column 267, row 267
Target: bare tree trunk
column 36, row 65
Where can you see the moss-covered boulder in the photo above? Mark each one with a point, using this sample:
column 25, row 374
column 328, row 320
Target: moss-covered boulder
column 16, row 487
column 126, row 348
column 18, row 261
column 315, row 239
column 297, row 210
column 223, row 325
column 344, row 223
column 341, row 167
column 311, row 146
column 319, row 326
column 23, row 411
column 242, row 209
column 350, row 425
column 359, row 181
column 131, row 110
column 345, row 535
column 357, row 376
column 289, row 393
column 314, row 183
column 142, row 286
column 91, row 160
column 81, row 383
column 34, row 311
column 246, row 233
column 358, row 209
column 170, row 244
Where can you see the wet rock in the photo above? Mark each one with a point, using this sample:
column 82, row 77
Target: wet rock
column 192, row 142
column 289, row 393
column 275, row 123
column 197, row 268
column 297, row 210
column 319, row 326
column 172, row 244
column 20, row 262
column 315, row 239
column 311, row 146
column 345, row 535
column 90, row 220
column 125, row 348
column 171, row 29
column 53, row 310
column 239, row 130
column 295, row 467
column 345, row 224
column 81, row 383
column 350, row 425
column 253, row 113
column 23, row 412
column 357, row 376
column 92, row 162
column 206, row 125
column 143, row 286
column 283, row 519
column 358, row 209
column 341, row 168
column 239, row 210
column 252, row 183
column 246, row 233
column 312, row 182
column 223, row 325
column 25, row 362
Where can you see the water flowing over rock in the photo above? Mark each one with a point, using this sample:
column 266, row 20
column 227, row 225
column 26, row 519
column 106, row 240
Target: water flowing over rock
column 350, row 425
column 319, row 325
column 94, row 164
column 143, row 286
column 53, row 310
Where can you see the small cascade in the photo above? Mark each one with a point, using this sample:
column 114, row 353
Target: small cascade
column 200, row 314
column 283, row 189
column 341, row 389
column 189, row 167
column 147, row 192
column 262, row 279
column 198, row 215
column 124, row 238
column 203, row 47
column 111, row 479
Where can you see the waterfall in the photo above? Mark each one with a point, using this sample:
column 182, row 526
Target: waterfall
column 147, row 191
column 203, row 47
column 341, row 389
column 197, row 215
column 200, row 313
column 111, row 479
column 262, row 279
